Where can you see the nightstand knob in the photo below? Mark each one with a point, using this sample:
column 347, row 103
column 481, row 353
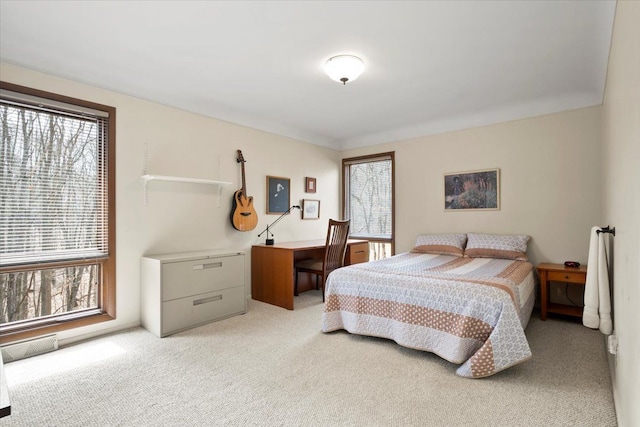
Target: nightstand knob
column 566, row 277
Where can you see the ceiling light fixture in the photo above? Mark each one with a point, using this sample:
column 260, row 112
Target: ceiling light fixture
column 344, row 68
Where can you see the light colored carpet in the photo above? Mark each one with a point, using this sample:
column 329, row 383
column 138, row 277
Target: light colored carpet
column 274, row 367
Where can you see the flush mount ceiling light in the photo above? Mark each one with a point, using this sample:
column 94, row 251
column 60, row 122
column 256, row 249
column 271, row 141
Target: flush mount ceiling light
column 344, row 68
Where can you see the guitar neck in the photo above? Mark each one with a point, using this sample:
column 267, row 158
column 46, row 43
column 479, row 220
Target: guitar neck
column 244, row 188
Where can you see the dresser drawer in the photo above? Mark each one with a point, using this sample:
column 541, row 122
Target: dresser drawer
column 357, row 253
column 199, row 276
column 566, row 276
column 188, row 312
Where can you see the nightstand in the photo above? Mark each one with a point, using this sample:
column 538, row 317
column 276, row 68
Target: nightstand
column 559, row 273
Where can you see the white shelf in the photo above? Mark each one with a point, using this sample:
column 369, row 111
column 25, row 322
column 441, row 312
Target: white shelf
column 148, row 178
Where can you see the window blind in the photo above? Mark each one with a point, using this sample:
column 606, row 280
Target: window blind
column 369, row 200
column 53, row 181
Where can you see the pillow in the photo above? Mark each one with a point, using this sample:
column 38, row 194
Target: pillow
column 441, row 244
column 508, row 246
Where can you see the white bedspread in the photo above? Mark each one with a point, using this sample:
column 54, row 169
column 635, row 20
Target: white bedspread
column 469, row 311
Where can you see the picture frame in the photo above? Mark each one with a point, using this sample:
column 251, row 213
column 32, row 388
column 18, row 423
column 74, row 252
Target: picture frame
column 310, row 185
column 472, row 190
column 278, row 194
column 310, row 209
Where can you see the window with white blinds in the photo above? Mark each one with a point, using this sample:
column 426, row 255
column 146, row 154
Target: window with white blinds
column 57, row 212
column 53, row 181
column 369, row 197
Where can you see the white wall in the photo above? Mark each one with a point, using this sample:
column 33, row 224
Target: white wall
column 621, row 207
column 185, row 217
column 550, row 182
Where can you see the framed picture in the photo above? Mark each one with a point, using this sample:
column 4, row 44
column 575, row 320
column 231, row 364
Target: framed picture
column 473, row 190
column 278, row 194
column 310, row 209
column 310, row 186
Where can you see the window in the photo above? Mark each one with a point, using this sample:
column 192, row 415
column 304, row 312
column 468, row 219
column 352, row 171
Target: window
column 57, row 212
column 368, row 189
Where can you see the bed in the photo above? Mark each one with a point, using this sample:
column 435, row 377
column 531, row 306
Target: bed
column 468, row 305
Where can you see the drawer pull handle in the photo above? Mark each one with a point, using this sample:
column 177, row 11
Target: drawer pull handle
column 206, row 300
column 566, row 277
column 359, row 252
column 211, row 265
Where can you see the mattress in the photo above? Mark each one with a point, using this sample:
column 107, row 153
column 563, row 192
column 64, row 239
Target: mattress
column 469, row 311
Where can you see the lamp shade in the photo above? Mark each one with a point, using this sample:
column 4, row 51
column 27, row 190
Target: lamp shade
column 344, row 68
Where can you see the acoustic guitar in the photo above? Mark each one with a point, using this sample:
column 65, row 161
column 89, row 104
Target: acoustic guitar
column 243, row 215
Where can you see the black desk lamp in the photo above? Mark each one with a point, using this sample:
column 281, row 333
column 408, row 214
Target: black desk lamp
column 270, row 241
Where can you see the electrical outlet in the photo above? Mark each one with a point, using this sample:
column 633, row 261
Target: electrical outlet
column 612, row 344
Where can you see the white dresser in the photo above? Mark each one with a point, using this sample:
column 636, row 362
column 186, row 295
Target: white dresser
column 183, row 290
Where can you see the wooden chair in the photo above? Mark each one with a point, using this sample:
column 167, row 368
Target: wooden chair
column 335, row 249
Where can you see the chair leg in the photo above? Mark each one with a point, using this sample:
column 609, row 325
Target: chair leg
column 295, row 284
column 322, row 288
column 317, row 282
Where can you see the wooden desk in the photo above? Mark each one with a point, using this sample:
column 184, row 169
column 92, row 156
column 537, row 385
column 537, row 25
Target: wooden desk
column 272, row 268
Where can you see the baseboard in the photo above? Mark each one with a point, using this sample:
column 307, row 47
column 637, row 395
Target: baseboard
column 83, row 337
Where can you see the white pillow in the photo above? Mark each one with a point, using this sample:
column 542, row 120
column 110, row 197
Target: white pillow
column 505, row 246
column 441, row 244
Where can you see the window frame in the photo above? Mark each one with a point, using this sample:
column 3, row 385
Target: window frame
column 346, row 162
column 106, row 310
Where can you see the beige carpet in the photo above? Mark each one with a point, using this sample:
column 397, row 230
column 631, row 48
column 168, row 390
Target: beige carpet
column 274, row 367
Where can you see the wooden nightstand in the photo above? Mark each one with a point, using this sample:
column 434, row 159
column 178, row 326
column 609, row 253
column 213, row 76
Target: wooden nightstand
column 559, row 273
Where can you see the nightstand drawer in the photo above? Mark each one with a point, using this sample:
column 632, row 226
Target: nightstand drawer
column 567, row 276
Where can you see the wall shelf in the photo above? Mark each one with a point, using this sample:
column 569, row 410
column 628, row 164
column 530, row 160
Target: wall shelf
column 148, row 177
column 183, row 179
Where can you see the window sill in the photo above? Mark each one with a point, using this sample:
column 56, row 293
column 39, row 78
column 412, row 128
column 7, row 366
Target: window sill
column 11, row 334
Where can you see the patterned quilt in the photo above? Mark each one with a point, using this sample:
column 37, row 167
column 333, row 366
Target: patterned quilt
column 469, row 311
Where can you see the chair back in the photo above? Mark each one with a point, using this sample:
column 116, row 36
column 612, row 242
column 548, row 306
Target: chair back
column 336, row 246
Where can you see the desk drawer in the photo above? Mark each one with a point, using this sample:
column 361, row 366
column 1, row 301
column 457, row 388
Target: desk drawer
column 199, row 276
column 567, row 276
column 187, row 312
column 357, row 253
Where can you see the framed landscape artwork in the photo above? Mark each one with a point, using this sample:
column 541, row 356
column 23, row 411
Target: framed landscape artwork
column 278, row 192
column 472, row 190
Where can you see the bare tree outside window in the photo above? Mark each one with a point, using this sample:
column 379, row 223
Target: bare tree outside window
column 53, row 212
column 368, row 189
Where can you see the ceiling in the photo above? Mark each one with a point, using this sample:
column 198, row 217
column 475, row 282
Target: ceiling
column 430, row 67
